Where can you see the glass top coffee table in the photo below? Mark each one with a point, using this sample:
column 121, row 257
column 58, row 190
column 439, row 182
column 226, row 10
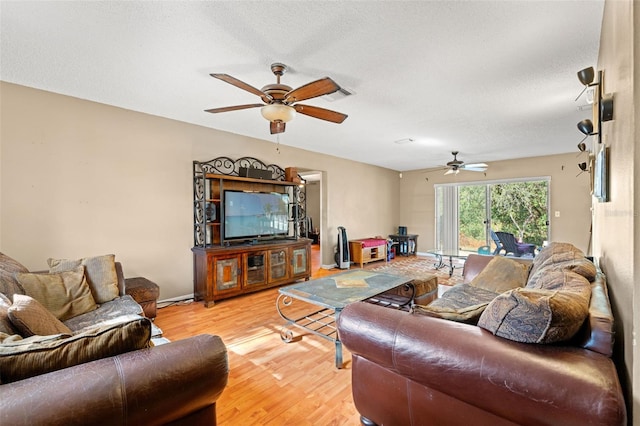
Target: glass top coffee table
column 324, row 298
column 451, row 254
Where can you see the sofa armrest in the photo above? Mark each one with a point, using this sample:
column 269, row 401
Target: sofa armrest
column 149, row 386
column 468, row 363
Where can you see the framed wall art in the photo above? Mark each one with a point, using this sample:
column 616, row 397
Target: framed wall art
column 601, row 175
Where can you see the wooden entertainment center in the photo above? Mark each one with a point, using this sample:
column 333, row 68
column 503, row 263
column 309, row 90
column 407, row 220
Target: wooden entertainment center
column 226, row 266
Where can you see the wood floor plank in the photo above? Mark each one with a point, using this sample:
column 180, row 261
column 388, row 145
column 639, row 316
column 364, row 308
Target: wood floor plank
column 270, row 382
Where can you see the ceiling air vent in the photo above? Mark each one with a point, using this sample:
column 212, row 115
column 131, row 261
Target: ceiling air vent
column 339, row 94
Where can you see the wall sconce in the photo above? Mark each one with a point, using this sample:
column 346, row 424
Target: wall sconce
column 583, row 168
column 586, row 128
column 586, row 78
column 605, row 103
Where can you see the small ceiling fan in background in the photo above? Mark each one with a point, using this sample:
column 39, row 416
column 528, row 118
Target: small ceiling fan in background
column 280, row 100
column 455, row 165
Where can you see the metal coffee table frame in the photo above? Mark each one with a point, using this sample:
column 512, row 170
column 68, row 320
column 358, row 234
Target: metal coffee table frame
column 325, row 301
column 447, row 253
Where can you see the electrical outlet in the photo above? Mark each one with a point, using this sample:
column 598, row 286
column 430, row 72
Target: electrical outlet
column 557, row 213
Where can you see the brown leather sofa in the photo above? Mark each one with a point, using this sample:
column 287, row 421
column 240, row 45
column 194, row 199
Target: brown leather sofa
column 175, row 383
column 411, row 369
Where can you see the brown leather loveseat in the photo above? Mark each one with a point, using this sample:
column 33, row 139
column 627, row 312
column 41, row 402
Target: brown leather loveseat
column 175, row 383
column 105, row 374
column 410, row 369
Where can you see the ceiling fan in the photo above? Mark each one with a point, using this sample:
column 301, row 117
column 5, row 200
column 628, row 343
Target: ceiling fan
column 280, row 100
column 456, row 165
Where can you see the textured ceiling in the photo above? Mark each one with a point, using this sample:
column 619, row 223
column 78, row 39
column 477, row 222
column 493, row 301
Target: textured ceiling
column 492, row 79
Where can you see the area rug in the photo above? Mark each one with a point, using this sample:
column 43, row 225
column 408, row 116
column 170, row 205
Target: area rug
column 416, row 266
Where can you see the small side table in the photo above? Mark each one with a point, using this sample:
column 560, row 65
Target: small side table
column 144, row 292
column 407, row 244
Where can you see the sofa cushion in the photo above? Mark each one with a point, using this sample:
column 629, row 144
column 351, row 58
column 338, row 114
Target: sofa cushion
column 100, row 271
column 8, row 283
column 5, row 323
column 64, row 294
column 501, row 274
column 540, row 315
column 30, row 318
column 563, row 256
column 107, row 312
column 22, row 358
column 463, row 303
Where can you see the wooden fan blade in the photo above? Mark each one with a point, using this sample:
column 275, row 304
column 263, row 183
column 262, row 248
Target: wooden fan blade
column 241, row 84
column 277, row 127
column 321, row 113
column 324, row 86
column 233, row 108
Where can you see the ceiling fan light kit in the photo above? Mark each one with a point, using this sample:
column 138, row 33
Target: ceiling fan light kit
column 280, row 99
column 278, row 112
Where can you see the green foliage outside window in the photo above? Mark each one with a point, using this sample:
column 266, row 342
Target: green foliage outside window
column 521, row 209
column 517, row 207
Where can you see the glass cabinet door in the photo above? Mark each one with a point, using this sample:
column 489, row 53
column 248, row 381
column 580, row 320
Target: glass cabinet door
column 227, row 273
column 256, row 268
column 277, row 264
column 299, row 261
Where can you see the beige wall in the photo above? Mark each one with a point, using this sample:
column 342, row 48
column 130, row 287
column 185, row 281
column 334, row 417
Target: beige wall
column 616, row 223
column 570, row 195
column 80, row 178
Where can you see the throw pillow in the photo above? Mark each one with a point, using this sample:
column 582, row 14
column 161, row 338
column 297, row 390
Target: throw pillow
column 539, row 316
column 31, row 318
column 5, row 323
column 462, row 303
column 22, row 358
column 100, row 271
column 8, row 283
column 65, row 294
column 501, row 274
column 555, row 252
column 546, row 276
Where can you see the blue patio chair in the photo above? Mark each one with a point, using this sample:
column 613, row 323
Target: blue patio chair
column 498, row 243
column 512, row 246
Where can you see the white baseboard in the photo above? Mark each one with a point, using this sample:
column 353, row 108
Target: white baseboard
column 176, row 299
column 329, row 266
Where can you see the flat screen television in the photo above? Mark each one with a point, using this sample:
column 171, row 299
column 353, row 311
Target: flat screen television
column 255, row 215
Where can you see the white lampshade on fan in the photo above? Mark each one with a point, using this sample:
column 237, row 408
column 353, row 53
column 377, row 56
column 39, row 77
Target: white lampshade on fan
column 278, row 112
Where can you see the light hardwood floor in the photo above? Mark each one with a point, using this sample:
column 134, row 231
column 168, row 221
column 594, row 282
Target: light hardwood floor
column 270, row 382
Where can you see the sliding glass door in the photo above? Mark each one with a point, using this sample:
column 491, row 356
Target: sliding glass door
column 472, row 217
column 467, row 213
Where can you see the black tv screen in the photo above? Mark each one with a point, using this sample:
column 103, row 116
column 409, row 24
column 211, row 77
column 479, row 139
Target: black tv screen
column 255, row 214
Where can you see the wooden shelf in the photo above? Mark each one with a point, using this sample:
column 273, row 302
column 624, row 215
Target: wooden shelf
column 250, row 180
